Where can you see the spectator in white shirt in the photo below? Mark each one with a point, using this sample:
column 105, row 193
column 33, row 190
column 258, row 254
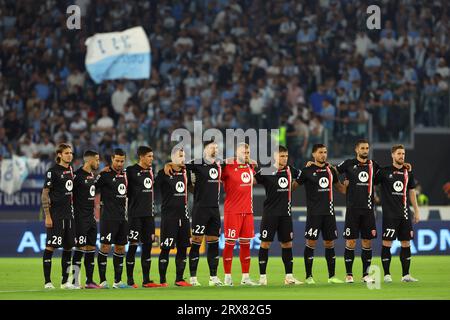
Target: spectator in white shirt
column 119, row 98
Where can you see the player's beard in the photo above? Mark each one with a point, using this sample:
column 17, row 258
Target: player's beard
column 400, row 162
column 364, row 156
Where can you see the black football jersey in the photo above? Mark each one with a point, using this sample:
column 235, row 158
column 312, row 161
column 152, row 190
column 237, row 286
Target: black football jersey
column 140, row 191
column 113, row 186
column 395, row 185
column 278, row 187
column 84, row 194
column 59, row 180
column 174, row 193
column 318, row 183
column 207, row 183
column 361, row 177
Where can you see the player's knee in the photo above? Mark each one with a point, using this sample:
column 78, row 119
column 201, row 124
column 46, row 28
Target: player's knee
column 212, row 238
column 405, row 244
column 387, row 243
column 89, row 248
column 350, row 243
column 197, row 239
column 119, row 249
column 265, row 244
column 230, row 242
column 50, row 249
column 328, row 244
column 286, row 245
column 105, row 248
column 311, row 243
column 244, row 241
column 366, row 243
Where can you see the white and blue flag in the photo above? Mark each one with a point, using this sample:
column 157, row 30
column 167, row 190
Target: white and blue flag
column 118, row 55
column 14, row 171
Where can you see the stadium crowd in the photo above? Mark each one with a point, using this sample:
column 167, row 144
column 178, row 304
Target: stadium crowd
column 310, row 68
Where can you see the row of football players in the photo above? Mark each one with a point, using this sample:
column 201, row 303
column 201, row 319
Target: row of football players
column 127, row 212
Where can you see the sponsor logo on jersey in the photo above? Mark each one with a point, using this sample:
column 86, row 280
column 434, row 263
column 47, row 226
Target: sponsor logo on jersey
column 179, row 186
column 121, row 189
column 324, row 182
column 147, row 183
column 92, row 191
column 283, row 182
column 245, row 177
column 69, row 185
column 213, row 173
column 398, row 186
column 363, row 176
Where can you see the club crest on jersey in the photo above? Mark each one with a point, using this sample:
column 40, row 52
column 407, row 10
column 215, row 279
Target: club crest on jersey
column 245, row 177
column 147, row 183
column 121, row 189
column 92, row 191
column 283, row 182
column 213, row 173
column 179, row 186
column 324, row 182
column 363, row 176
column 69, row 185
column 398, row 186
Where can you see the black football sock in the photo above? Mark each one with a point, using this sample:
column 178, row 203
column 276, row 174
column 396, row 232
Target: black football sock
column 263, row 258
column 349, row 256
column 366, row 257
column 386, row 259
column 89, row 257
column 180, row 263
column 65, row 265
column 405, row 258
column 162, row 264
column 47, row 264
column 213, row 257
column 146, row 262
column 286, row 256
column 194, row 256
column 76, row 265
column 102, row 260
column 331, row 261
column 309, row 258
column 130, row 259
column 118, row 266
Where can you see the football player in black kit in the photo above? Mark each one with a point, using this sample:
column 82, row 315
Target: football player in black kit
column 85, row 224
column 205, row 213
column 57, row 203
column 277, row 216
column 175, row 225
column 360, row 217
column 397, row 193
column 112, row 188
column 319, row 180
column 141, row 215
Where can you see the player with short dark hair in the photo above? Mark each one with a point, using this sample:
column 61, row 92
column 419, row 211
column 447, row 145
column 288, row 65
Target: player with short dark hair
column 360, row 216
column 85, row 224
column 277, row 216
column 205, row 213
column 57, row 203
column 175, row 225
column 141, row 212
column 397, row 193
column 320, row 179
column 112, row 186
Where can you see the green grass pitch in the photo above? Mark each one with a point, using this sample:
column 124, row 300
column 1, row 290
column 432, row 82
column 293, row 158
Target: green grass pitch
column 21, row 278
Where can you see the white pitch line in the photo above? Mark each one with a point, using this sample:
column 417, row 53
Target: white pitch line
column 16, row 291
